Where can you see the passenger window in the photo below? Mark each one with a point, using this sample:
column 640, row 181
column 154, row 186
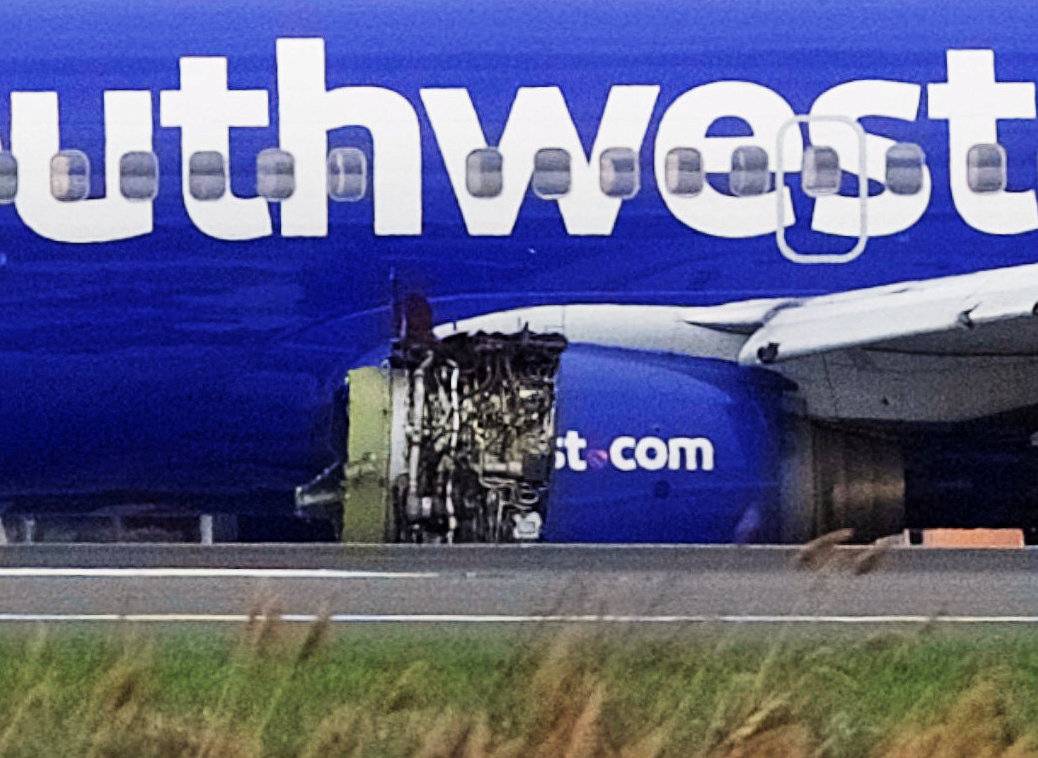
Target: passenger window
column 820, row 171
column 684, row 171
column 986, row 168
column 483, row 172
column 551, row 173
column 905, row 163
column 347, row 174
column 207, row 172
column 618, row 172
column 8, row 178
column 750, row 175
column 139, row 176
column 275, row 174
column 70, row 176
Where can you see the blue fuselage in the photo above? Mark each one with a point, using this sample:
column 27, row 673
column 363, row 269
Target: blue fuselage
column 176, row 366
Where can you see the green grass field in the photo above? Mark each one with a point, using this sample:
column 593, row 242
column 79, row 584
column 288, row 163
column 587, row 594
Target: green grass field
column 280, row 690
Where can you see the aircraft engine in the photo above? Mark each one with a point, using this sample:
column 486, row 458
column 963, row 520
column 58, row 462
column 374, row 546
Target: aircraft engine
column 480, row 436
column 483, row 437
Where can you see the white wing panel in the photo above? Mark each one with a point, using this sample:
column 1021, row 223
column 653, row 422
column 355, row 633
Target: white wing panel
column 795, row 328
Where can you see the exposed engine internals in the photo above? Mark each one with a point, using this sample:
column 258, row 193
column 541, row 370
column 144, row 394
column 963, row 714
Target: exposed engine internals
column 480, row 437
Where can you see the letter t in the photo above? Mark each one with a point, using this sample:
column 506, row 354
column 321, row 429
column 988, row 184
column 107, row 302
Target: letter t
column 973, row 102
column 205, row 110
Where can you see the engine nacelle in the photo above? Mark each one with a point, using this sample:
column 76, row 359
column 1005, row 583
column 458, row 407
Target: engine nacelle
column 665, row 448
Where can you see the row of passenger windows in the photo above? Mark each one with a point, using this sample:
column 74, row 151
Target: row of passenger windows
column 207, row 175
column 619, row 173
column 750, row 173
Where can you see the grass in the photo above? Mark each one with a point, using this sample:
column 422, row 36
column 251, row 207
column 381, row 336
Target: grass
column 279, row 690
column 274, row 689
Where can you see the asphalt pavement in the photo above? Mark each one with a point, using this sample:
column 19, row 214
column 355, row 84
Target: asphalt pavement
column 475, row 584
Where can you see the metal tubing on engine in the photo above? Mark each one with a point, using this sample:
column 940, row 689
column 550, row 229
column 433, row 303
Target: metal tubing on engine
column 417, row 421
column 452, row 520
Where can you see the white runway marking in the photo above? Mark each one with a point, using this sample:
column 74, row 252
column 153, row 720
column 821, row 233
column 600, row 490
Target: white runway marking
column 356, row 618
column 205, row 573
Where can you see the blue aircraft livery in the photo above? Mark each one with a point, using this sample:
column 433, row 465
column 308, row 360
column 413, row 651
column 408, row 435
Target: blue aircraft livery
column 497, row 271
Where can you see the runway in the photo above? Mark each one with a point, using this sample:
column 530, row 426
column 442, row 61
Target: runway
column 516, row 584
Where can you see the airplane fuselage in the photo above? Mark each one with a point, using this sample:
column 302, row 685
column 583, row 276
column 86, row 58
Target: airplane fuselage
column 181, row 349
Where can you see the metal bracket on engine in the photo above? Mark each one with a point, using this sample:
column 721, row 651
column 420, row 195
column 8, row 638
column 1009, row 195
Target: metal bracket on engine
column 366, row 509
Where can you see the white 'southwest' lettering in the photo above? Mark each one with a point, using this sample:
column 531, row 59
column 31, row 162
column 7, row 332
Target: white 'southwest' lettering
column 205, row 110
column 35, row 138
column 307, row 111
column 973, row 102
column 887, row 213
column 685, row 124
column 539, row 118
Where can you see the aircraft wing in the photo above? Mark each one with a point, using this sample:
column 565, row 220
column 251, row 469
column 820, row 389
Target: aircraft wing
column 936, row 316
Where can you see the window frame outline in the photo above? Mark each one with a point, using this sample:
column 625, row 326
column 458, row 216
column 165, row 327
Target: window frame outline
column 279, row 151
column 922, row 168
column 780, row 186
column 569, row 174
column 225, row 164
column 701, row 173
column 4, row 200
column 1005, row 168
column 814, row 195
column 365, row 173
column 637, row 173
column 767, row 172
column 88, row 174
column 154, row 194
column 469, row 156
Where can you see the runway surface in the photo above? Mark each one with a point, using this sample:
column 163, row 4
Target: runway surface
column 516, row 584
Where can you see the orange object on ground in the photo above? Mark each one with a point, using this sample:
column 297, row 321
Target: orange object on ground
column 973, row 538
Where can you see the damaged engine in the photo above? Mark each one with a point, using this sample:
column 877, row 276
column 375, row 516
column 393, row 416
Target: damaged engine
column 479, row 443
